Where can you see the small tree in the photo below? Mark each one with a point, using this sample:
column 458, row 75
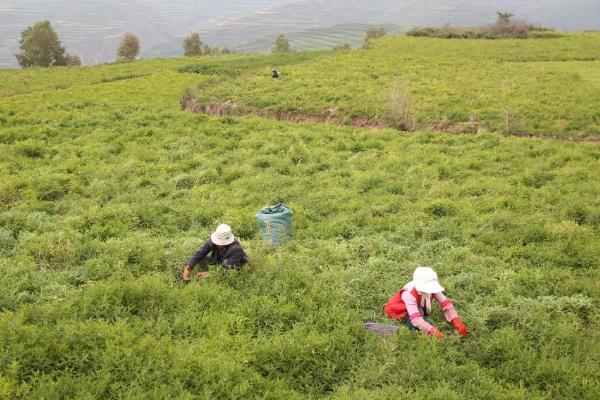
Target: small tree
column 504, row 19
column 507, row 26
column 129, row 48
column 206, row 49
column 71, row 60
column 192, row 45
column 40, row 46
column 282, row 45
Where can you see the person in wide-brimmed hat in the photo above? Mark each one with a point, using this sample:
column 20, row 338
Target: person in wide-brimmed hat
column 413, row 303
column 221, row 248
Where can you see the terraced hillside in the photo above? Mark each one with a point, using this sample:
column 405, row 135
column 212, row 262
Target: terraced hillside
column 107, row 187
column 317, row 38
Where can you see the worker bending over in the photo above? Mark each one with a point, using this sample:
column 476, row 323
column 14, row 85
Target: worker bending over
column 413, row 303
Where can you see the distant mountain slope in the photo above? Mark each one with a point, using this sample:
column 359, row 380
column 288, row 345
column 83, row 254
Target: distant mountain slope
column 92, row 29
column 308, row 14
column 317, row 38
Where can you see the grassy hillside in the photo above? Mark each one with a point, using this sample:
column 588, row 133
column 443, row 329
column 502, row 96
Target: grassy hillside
column 541, row 87
column 107, row 188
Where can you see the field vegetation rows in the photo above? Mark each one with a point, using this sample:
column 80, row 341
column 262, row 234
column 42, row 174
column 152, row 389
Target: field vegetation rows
column 107, row 187
column 544, row 87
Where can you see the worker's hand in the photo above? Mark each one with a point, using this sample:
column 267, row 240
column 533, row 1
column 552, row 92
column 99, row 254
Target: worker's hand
column 436, row 333
column 202, row 274
column 186, row 273
column 460, row 327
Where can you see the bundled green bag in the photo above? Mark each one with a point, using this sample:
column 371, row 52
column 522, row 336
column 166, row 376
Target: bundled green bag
column 275, row 223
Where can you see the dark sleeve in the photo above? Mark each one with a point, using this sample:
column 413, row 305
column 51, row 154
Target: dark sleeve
column 201, row 253
column 239, row 257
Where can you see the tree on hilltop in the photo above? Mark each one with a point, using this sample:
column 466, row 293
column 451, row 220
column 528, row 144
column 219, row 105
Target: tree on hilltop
column 129, row 48
column 504, row 18
column 282, row 45
column 40, row 46
column 192, row 45
column 507, row 26
column 71, row 60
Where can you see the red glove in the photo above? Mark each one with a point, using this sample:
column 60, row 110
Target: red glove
column 460, row 327
column 436, row 333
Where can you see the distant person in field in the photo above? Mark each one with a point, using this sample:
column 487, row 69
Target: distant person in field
column 412, row 304
column 220, row 249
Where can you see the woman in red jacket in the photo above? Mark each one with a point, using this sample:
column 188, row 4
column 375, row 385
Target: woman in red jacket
column 413, row 302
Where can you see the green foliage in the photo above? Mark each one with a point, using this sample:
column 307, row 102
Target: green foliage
column 129, row 48
column 192, row 45
column 282, row 45
column 40, row 46
column 504, row 18
column 107, row 188
column 513, row 86
column 234, row 66
column 505, row 27
column 72, row 60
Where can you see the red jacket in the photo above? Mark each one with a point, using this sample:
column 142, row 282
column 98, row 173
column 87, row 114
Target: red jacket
column 395, row 308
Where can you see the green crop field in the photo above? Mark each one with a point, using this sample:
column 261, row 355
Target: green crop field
column 107, row 187
column 547, row 87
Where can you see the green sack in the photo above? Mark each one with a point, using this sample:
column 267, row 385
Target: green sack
column 275, row 223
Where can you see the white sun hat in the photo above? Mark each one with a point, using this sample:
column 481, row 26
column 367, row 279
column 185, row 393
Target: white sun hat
column 222, row 236
column 426, row 280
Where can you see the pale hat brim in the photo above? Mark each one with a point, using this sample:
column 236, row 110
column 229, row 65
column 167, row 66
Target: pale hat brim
column 221, row 242
column 429, row 287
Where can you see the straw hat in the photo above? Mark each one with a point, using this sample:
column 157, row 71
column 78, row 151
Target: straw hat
column 222, row 236
column 426, row 280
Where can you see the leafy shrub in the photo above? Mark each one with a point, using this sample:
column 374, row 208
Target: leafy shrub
column 583, row 214
column 54, row 250
column 505, row 27
column 7, row 241
column 537, row 179
column 440, row 209
column 31, row 148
